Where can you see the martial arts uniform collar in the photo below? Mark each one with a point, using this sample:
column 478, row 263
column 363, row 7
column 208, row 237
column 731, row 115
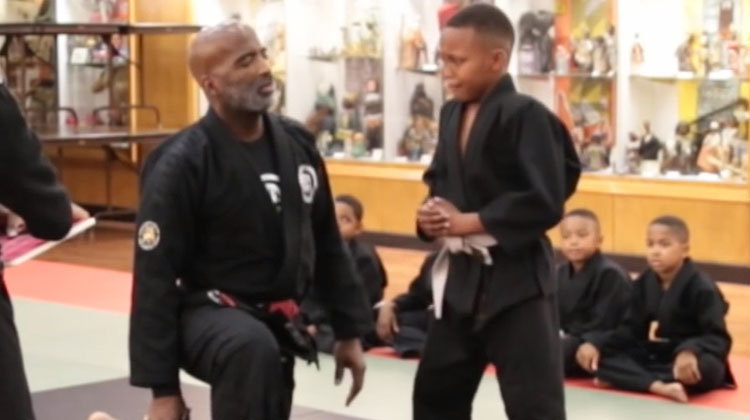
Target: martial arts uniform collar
column 292, row 211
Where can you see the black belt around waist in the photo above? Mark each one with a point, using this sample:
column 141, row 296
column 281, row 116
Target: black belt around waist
column 290, row 332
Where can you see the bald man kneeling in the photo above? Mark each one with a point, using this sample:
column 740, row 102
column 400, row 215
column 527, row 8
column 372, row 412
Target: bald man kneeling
column 236, row 225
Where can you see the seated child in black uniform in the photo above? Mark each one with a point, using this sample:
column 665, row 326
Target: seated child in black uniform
column 674, row 339
column 349, row 213
column 593, row 290
column 403, row 321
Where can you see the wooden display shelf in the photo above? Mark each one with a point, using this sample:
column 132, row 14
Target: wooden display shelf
column 43, row 28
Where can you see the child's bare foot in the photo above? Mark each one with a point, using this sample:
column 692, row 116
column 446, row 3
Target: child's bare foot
column 602, row 384
column 674, row 391
column 101, row 416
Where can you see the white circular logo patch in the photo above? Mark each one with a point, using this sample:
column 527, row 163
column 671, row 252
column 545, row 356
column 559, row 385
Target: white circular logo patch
column 148, row 235
column 308, row 182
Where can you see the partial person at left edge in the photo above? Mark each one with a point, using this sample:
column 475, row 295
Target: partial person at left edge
column 30, row 189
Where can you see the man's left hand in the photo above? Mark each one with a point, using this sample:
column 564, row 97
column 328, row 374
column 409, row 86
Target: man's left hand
column 349, row 355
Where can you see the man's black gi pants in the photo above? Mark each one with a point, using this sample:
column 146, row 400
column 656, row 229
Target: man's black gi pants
column 240, row 358
column 522, row 342
column 15, row 400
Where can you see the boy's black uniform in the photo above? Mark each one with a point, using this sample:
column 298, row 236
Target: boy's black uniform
column 519, row 169
column 29, row 188
column 593, row 300
column 690, row 316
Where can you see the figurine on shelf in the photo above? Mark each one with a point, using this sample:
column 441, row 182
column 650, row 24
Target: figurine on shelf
column 685, row 54
column 349, row 118
column 600, row 58
column 535, row 42
column 358, row 148
column 701, row 55
column 636, row 54
column 562, row 59
column 595, row 155
column 610, row 43
column 583, row 53
column 322, row 121
column 633, row 154
column 373, row 114
column 421, row 135
column 413, row 48
column 649, row 152
column 716, row 55
column 419, row 138
column 686, row 150
column 709, row 157
column 421, row 104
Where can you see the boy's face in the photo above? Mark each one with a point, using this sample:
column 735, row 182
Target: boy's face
column 349, row 226
column 664, row 249
column 581, row 238
column 471, row 64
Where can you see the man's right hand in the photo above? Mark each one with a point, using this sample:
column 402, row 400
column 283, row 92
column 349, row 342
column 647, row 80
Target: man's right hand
column 387, row 322
column 166, row 408
column 431, row 220
column 587, row 357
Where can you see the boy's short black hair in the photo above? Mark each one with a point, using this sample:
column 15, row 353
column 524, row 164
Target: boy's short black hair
column 354, row 203
column 585, row 213
column 485, row 19
column 676, row 225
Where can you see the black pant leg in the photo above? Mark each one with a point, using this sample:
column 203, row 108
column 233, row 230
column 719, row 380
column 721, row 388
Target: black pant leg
column 523, row 343
column 15, row 399
column 570, row 344
column 240, row 358
column 628, row 372
column 449, row 372
column 713, row 374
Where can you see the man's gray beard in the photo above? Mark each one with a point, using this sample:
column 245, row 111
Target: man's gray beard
column 247, row 98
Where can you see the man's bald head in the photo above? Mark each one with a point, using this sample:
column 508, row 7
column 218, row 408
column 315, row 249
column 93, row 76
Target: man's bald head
column 215, row 44
column 230, row 66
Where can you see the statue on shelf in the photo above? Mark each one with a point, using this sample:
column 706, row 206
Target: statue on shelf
column 583, row 53
column 349, row 121
column 610, row 43
column 413, row 48
column 649, row 152
column 686, row 151
column 595, row 155
column 373, row 114
column 421, row 104
column 420, row 137
column 701, row 56
column 535, row 42
column 322, row 121
column 633, row 154
column 685, row 54
column 636, row 53
column 709, row 157
column 562, row 59
column 600, row 58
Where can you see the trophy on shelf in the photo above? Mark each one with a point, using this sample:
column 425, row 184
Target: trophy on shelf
column 349, row 121
column 535, row 45
column 633, row 154
column 685, row 55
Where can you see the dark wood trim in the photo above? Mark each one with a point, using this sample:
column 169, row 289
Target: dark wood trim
column 721, row 272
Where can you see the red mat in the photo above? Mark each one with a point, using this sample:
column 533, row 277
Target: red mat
column 109, row 290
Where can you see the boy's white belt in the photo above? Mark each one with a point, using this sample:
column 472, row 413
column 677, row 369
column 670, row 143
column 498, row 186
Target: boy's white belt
column 471, row 244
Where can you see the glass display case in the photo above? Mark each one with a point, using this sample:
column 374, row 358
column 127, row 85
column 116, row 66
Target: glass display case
column 648, row 89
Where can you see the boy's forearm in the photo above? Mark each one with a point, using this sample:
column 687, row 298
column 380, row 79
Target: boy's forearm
column 465, row 224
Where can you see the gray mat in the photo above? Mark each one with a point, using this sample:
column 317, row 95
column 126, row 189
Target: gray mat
column 124, row 402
